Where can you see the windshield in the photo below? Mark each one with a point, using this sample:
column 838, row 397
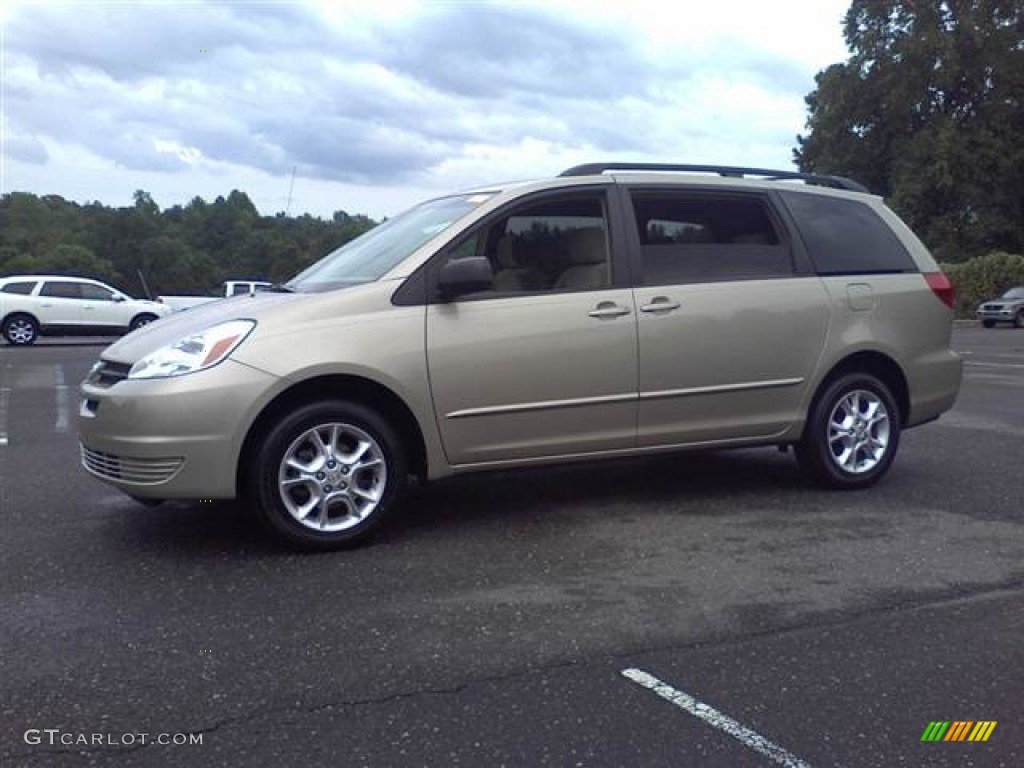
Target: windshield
column 373, row 254
column 1014, row 293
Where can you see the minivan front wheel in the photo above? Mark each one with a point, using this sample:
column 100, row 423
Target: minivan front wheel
column 852, row 433
column 327, row 474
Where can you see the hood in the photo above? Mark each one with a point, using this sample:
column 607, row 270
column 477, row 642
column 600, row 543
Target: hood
column 1002, row 303
column 269, row 310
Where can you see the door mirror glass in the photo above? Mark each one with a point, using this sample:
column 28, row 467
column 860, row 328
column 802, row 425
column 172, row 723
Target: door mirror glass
column 463, row 276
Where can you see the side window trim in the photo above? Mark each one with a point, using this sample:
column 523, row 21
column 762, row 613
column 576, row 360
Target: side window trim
column 910, row 267
column 84, row 287
column 800, row 266
column 30, row 283
column 59, row 296
column 421, row 286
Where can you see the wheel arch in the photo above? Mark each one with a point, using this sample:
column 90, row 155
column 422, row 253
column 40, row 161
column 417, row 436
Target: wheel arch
column 20, row 312
column 358, row 389
column 144, row 313
column 879, row 365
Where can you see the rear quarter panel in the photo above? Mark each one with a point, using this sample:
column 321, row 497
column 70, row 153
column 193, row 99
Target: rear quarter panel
column 905, row 322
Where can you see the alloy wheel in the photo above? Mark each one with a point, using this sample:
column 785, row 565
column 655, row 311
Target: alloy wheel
column 858, row 431
column 332, row 477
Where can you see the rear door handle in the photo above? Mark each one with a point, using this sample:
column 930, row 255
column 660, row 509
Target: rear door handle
column 609, row 309
column 660, row 304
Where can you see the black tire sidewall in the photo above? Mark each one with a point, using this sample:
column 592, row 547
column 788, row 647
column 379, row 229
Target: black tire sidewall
column 136, row 324
column 35, row 331
column 813, row 451
column 1018, row 319
column 262, row 487
column 988, row 323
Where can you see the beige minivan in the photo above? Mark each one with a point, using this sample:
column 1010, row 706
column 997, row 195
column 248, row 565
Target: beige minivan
column 615, row 310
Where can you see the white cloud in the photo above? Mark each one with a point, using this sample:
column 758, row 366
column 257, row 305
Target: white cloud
column 378, row 105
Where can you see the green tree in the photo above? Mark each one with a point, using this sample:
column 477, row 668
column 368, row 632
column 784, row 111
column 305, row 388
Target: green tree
column 928, row 110
column 184, row 249
column 77, row 261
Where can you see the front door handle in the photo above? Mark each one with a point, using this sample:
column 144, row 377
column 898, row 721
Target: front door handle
column 660, row 304
column 609, row 309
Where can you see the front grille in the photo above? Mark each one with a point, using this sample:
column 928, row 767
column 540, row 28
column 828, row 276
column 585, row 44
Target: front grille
column 130, row 470
column 992, row 307
column 106, row 373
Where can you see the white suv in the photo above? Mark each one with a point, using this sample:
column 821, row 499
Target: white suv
column 31, row 305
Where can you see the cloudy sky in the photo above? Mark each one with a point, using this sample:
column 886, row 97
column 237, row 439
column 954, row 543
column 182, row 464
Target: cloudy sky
column 376, row 105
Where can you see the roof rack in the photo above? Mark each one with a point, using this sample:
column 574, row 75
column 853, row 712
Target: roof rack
column 821, row 180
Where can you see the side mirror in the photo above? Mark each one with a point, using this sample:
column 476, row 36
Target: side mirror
column 118, row 297
column 463, row 276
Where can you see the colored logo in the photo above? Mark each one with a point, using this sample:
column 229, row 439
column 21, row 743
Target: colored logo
column 958, row 730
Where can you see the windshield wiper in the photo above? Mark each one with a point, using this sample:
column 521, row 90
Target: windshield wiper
column 279, row 288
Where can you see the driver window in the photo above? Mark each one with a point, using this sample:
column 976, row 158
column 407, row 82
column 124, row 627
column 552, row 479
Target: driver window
column 557, row 244
column 96, row 292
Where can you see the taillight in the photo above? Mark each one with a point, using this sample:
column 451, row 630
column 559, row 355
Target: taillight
column 941, row 287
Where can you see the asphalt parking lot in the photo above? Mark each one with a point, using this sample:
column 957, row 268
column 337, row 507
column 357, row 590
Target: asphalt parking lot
column 493, row 621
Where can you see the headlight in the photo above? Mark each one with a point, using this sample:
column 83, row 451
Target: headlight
column 193, row 353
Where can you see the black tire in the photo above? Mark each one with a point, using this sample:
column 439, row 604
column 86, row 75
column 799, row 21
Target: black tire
column 292, row 436
column 989, row 323
column 140, row 320
column 827, row 456
column 1018, row 319
column 21, row 330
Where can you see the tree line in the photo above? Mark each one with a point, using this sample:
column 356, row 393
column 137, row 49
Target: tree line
column 179, row 250
column 928, row 111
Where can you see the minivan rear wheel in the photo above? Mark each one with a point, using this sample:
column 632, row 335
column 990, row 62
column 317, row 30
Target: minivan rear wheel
column 327, row 474
column 852, row 432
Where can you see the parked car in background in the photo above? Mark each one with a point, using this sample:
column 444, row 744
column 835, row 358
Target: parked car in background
column 57, row 305
column 1008, row 308
column 615, row 310
column 231, row 288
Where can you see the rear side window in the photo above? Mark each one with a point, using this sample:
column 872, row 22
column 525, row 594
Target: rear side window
column 846, row 237
column 21, row 288
column 688, row 237
column 62, row 290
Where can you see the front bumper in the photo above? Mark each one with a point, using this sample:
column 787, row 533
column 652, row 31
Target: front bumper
column 999, row 315
column 175, row 438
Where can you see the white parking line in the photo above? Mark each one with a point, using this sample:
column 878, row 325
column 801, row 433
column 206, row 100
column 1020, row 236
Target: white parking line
column 61, row 393
column 972, row 364
column 712, row 716
column 4, row 398
column 3, row 414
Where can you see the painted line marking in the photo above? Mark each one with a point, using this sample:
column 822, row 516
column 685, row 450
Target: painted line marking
column 993, row 365
column 61, row 393
column 712, row 716
column 4, row 395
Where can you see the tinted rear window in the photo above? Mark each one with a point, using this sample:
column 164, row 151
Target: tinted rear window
column 846, row 236
column 22, row 288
